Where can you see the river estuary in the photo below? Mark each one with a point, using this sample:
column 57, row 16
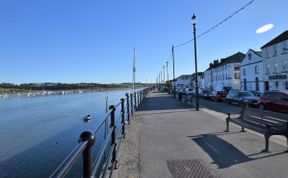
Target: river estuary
column 37, row 132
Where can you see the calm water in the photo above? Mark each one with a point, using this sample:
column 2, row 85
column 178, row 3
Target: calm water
column 37, row 133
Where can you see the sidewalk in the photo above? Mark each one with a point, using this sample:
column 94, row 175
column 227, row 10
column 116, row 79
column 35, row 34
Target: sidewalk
column 171, row 133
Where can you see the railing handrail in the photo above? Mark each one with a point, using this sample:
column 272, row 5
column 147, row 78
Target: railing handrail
column 67, row 164
column 98, row 126
column 87, row 140
column 101, row 154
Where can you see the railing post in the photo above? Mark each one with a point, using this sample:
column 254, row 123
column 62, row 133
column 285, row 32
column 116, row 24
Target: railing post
column 87, row 153
column 131, row 103
column 138, row 98
column 113, row 139
column 135, row 103
column 128, row 112
column 123, row 117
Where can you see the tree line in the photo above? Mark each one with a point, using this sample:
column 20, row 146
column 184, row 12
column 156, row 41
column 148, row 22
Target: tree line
column 65, row 86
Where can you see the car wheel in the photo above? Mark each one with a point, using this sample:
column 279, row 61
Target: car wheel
column 239, row 103
column 229, row 101
column 261, row 106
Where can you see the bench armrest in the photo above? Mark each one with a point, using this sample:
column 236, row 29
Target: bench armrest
column 233, row 116
column 228, row 114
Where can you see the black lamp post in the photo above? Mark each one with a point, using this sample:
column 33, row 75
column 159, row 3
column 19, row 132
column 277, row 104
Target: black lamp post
column 195, row 53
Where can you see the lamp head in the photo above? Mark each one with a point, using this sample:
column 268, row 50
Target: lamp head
column 194, row 18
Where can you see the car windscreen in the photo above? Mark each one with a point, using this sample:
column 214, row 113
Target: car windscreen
column 241, row 94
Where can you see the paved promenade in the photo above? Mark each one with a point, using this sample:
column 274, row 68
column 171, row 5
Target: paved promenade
column 172, row 134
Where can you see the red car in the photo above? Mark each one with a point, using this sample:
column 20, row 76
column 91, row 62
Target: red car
column 218, row 95
column 275, row 101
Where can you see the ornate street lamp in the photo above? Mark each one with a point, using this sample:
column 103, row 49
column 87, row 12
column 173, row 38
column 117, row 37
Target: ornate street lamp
column 195, row 53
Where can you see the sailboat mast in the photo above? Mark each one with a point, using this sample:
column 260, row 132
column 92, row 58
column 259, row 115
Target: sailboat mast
column 134, row 70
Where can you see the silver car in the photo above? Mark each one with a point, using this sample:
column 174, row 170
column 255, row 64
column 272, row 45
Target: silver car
column 242, row 97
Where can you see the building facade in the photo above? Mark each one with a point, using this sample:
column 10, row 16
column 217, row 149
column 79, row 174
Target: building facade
column 200, row 77
column 275, row 60
column 252, row 74
column 183, row 81
column 224, row 73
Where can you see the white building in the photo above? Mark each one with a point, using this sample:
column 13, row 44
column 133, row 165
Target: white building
column 275, row 59
column 224, row 73
column 208, row 79
column 183, row 81
column 252, row 74
column 200, row 76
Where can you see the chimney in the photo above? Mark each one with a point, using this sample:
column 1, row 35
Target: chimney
column 210, row 65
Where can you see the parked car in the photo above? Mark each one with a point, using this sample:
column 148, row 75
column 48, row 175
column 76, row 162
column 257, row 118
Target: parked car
column 218, row 95
column 189, row 91
column 242, row 97
column 181, row 90
column 275, row 101
column 205, row 93
column 256, row 93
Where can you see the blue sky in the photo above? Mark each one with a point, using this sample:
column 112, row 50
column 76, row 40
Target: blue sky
column 93, row 41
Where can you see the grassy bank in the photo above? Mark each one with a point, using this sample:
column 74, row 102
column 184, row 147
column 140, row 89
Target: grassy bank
column 12, row 90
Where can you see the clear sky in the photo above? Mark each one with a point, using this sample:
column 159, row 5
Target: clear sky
column 93, row 40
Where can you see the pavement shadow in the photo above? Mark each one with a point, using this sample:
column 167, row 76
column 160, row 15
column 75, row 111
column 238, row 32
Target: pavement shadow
column 225, row 154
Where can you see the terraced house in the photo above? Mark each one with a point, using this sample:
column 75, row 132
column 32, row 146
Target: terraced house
column 224, row 73
column 275, row 60
column 183, row 81
column 252, row 75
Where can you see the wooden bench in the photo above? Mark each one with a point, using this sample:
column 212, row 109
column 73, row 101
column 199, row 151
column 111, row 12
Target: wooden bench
column 262, row 121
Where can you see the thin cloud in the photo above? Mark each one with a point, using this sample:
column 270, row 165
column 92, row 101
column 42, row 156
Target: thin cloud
column 264, row 28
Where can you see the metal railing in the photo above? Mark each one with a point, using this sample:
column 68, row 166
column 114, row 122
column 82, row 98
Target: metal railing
column 87, row 139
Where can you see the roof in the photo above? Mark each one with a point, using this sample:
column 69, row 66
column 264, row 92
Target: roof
column 199, row 74
column 282, row 37
column 258, row 53
column 237, row 57
column 184, row 77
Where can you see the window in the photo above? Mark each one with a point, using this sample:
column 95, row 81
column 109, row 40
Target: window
column 286, row 85
column 237, row 75
column 267, row 53
column 276, row 85
column 267, row 69
column 275, row 67
column 280, row 96
column 237, row 67
column 244, row 72
column 285, row 66
column 256, row 69
column 249, row 56
column 285, row 49
column 275, row 50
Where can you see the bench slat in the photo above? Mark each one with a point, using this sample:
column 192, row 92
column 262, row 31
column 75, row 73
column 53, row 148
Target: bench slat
column 274, row 119
column 263, row 121
column 276, row 115
column 249, row 125
column 266, row 122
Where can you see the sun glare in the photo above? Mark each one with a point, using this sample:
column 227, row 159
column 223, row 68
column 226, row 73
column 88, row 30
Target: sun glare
column 265, row 28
